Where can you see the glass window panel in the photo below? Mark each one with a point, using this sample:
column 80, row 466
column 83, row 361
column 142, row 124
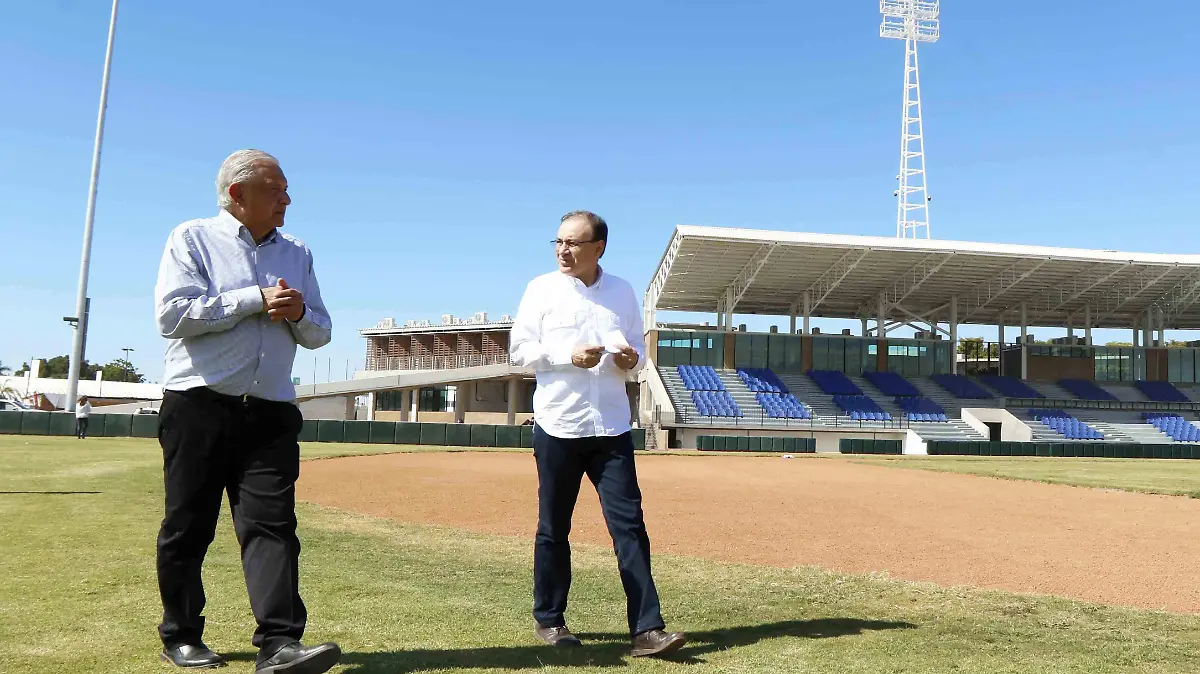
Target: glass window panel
column 820, row 353
column 758, row 350
column 1187, row 365
column 716, row 350
column 741, row 355
column 793, row 358
column 776, row 351
column 854, row 356
column 1174, row 365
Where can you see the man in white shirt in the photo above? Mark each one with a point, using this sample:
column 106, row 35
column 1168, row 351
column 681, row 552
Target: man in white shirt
column 83, row 413
column 580, row 329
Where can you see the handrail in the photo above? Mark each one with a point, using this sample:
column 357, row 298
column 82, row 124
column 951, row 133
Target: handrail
column 403, row 363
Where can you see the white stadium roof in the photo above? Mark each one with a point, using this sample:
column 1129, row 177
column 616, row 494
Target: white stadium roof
column 705, row 269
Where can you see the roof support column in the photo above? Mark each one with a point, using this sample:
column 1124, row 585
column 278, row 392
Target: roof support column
column 514, row 388
column 953, row 334
column 1000, row 343
column 1024, row 339
column 1162, row 327
column 1070, row 326
column 881, row 318
column 1148, row 328
column 792, row 320
column 807, row 312
column 1087, row 324
column 1137, row 332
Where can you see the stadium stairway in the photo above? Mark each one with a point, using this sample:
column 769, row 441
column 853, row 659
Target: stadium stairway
column 1051, row 390
column 1123, row 426
column 954, row 429
column 746, row 400
column 953, row 406
column 825, row 411
column 681, row 397
column 1126, row 392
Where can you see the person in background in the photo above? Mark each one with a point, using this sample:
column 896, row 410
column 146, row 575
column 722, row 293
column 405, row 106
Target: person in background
column 580, row 330
column 83, row 412
column 235, row 296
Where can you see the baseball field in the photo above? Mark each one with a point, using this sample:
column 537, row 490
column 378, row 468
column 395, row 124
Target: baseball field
column 419, row 560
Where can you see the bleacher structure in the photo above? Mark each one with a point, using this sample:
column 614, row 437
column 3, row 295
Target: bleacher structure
column 720, row 380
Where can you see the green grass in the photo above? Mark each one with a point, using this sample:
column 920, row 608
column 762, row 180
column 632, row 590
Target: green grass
column 1151, row 476
column 77, row 528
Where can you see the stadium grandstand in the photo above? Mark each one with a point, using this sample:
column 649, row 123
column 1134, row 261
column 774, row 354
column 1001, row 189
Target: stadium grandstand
column 900, row 376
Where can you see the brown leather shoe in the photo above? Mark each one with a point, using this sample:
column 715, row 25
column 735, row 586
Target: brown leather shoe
column 559, row 637
column 657, row 642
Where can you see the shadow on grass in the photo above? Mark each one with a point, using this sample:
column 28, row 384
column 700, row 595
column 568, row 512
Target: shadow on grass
column 604, row 649
column 50, row 493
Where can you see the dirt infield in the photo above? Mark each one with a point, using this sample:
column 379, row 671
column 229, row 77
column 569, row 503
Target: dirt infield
column 1109, row 547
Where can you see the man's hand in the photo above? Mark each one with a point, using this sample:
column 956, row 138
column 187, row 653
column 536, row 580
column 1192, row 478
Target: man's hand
column 281, row 302
column 627, row 358
column 587, row 356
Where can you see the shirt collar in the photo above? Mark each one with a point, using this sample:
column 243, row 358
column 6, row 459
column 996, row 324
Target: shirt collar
column 234, row 227
column 579, row 285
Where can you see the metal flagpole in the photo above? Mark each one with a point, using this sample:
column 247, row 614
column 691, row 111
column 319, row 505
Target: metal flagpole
column 86, row 259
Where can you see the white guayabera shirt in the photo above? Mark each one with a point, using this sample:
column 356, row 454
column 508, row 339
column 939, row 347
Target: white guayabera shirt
column 557, row 314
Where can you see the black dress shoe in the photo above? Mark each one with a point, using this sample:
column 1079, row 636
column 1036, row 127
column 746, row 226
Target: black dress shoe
column 657, row 642
column 559, row 637
column 296, row 658
column 192, row 656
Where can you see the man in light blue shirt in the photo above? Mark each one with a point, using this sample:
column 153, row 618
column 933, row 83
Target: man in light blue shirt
column 234, row 298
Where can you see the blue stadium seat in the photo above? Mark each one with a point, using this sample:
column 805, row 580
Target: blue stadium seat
column 892, row 384
column 700, row 378
column 961, row 387
column 715, row 404
column 861, row 408
column 834, row 383
column 1174, row 426
column 1085, row 390
column 1010, row 387
column 783, row 406
column 1161, row 391
column 921, row 409
column 1066, row 425
column 761, row 380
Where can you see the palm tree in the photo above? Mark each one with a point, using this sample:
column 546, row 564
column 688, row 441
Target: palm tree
column 4, row 369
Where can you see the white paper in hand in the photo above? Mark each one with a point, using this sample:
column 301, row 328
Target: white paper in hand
column 613, row 341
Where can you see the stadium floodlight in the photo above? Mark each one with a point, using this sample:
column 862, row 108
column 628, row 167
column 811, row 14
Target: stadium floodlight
column 81, row 300
column 912, row 21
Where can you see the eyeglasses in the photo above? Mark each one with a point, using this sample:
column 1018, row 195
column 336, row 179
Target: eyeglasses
column 570, row 243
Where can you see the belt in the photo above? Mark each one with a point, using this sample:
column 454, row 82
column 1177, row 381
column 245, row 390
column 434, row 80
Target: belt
column 224, row 398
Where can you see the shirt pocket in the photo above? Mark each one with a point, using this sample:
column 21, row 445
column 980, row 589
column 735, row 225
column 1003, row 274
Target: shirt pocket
column 561, row 325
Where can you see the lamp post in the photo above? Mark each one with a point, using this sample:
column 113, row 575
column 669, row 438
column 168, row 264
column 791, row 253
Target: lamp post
column 128, row 364
column 86, row 258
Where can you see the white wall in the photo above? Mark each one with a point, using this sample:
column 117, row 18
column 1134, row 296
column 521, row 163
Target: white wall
column 1012, row 429
column 332, row 407
column 827, row 441
column 26, row 386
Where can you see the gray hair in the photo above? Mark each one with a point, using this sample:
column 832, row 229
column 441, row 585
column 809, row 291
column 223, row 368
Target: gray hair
column 597, row 223
column 238, row 168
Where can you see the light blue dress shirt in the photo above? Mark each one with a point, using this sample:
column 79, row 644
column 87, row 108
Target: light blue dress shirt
column 209, row 306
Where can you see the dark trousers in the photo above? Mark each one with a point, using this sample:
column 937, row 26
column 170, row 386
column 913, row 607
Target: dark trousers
column 81, row 424
column 247, row 448
column 608, row 463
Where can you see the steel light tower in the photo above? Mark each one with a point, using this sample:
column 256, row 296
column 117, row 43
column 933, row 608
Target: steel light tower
column 912, row 21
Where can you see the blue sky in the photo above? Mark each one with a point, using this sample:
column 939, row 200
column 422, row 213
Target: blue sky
column 431, row 147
